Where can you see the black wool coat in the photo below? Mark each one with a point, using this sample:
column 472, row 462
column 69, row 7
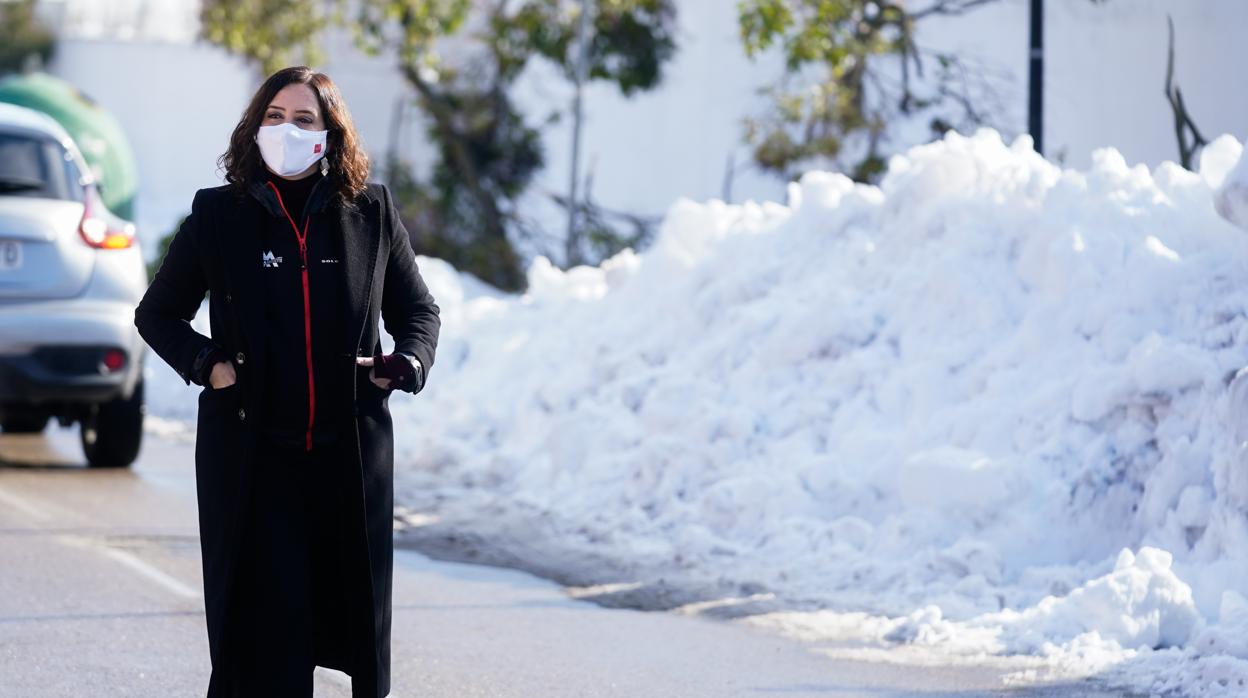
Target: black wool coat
column 217, row 250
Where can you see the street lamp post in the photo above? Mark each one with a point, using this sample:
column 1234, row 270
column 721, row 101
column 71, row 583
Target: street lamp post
column 572, row 249
column 1035, row 105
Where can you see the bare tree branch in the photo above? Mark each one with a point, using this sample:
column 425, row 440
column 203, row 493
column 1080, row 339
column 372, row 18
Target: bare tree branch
column 1185, row 131
column 949, row 7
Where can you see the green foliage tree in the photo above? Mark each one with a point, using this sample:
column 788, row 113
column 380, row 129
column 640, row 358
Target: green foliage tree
column 273, row 34
column 23, row 35
column 852, row 67
column 488, row 154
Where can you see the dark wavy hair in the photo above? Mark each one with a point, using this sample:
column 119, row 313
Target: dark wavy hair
column 348, row 163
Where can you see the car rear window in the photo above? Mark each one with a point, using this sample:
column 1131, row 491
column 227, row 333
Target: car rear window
column 36, row 167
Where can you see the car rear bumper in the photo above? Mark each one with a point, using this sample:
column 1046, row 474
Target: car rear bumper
column 36, row 378
column 50, row 352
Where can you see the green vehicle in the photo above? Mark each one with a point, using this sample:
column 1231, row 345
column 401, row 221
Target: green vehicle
column 98, row 134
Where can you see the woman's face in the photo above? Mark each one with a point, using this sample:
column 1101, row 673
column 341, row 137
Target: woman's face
column 297, row 104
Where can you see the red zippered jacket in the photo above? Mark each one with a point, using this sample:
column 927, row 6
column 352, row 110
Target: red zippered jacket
column 301, row 268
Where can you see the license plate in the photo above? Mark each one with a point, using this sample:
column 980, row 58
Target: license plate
column 10, row 255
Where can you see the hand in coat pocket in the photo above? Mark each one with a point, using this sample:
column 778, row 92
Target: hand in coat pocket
column 223, row 375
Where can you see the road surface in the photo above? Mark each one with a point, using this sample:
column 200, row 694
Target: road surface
column 100, row 595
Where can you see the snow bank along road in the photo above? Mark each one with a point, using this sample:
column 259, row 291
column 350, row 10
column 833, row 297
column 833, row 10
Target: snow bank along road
column 100, row 596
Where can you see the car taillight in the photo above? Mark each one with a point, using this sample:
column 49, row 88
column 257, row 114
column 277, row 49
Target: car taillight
column 113, row 361
column 96, row 232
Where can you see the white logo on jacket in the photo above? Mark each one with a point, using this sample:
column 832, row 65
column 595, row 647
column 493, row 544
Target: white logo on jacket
column 268, row 260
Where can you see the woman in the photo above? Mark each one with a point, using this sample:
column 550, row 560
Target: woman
column 294, row 444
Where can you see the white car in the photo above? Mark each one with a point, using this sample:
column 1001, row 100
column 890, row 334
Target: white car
column 71, row 274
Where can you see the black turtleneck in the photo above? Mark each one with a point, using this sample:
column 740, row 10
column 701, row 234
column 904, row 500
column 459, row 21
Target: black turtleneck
column 295, row 192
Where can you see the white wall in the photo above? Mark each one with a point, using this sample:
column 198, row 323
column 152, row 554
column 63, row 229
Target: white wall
column 1107, row 72
column 178, row 101
column 674, row 141
column 1105, row 69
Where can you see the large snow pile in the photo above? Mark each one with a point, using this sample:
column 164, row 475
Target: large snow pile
column 983, row 409
column 985, row 405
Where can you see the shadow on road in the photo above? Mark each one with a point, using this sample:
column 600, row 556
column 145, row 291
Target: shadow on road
column 55, row 450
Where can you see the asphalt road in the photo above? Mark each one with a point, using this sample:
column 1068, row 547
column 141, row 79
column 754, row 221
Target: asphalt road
column 100, row 595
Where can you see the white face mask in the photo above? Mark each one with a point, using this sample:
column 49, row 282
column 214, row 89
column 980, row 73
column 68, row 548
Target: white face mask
column 288, row 149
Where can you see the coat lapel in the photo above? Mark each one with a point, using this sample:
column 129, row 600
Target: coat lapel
column 359, row 252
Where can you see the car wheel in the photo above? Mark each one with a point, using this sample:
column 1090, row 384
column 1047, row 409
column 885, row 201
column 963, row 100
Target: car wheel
column 112, row 432
column 30, row 423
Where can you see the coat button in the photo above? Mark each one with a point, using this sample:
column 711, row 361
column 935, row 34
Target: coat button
column 242, row 414
column 240, row 357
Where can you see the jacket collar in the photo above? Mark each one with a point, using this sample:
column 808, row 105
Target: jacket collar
column 318, row 198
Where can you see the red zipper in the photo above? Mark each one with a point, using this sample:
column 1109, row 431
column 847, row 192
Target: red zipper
column 307, row 313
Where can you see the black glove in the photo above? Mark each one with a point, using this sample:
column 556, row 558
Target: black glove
column 403, row 371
